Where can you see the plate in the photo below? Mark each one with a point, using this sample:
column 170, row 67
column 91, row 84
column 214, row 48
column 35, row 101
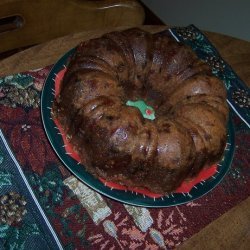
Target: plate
column 128, row 197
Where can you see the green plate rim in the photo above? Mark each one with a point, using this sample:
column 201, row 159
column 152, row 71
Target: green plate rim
column 127, row 197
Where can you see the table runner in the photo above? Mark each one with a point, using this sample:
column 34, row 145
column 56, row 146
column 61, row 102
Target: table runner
column 23, row 224
column 84, row 219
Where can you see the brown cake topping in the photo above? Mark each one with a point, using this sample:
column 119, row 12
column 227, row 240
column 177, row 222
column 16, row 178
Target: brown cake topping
column 114, row 140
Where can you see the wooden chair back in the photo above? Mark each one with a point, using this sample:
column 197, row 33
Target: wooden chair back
column 28, row 22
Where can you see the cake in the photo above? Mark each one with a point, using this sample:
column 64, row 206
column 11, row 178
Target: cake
column 113, row 139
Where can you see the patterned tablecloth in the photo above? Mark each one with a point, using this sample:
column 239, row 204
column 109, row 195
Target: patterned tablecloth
column 82, row 218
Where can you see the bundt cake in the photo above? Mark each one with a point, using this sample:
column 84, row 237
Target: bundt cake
column 113, row 139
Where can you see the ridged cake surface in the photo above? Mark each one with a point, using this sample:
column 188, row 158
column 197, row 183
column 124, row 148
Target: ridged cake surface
column 113, row 140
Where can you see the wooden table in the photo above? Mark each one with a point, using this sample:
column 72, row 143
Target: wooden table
column 236, row 52
column 230, row 231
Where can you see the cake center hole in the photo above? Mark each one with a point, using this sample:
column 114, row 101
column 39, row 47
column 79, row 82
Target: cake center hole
column 146, row 111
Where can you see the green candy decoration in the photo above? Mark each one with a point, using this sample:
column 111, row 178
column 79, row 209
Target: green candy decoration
column 146, row 111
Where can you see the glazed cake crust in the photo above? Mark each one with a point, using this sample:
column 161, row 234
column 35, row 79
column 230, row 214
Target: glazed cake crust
column 112, row 139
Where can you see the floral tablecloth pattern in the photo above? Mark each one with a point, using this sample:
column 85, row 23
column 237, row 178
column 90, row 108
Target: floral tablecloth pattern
column 23, row 224
column 84, row 219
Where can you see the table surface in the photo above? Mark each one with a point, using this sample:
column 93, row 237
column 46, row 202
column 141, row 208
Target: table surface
column 232, row 228
column 234, row 51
